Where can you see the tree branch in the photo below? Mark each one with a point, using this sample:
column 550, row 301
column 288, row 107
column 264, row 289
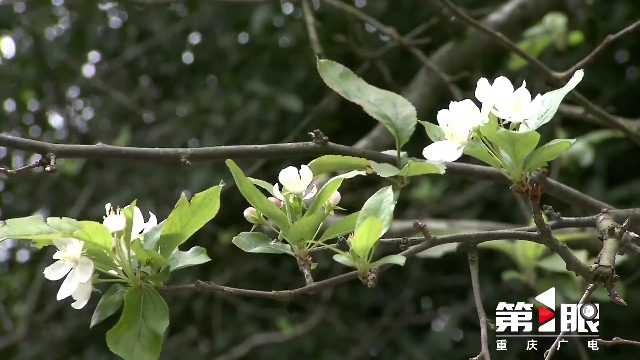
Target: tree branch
column 617, row 341
column 310, row 21
column 474, row 267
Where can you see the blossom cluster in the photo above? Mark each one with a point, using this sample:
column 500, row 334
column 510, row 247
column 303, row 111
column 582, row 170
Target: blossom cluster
column 462, row 118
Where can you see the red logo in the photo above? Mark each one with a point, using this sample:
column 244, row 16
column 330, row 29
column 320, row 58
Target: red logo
column 544, row 314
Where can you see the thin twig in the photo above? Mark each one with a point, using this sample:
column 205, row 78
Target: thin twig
column 585, row 297
column 474, row 267
column 310, row 20
column 606, row 42
column 617, row 341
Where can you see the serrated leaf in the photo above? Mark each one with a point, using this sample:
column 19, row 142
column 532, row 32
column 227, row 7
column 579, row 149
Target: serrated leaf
column 366, row 236
column 434, row 132
column 550, row 103
column 181, row 259
column 138, row 333
column 545, row 153
column 257, row 199
column 255, row 242
column 381, row 205
column 340, row 227
column 515, row 144
column 109, row 304
column 337, row 163
column 188, row 217
column 416, row 168
column 328, row 189
column 38, row 230
column 384, row 169
column 344, row 260
column 393, row 111
column 391, row 259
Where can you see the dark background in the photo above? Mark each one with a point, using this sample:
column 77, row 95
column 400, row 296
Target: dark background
column 206, row 73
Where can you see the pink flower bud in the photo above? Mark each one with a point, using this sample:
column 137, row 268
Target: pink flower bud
column 252, row 216
column 276, row 201
column 334, row 199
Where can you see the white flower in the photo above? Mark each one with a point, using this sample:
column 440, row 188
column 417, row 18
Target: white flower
column 115, row 220
column 295, row 182
column 501, row 99
column 457, row 123
column 76, row 267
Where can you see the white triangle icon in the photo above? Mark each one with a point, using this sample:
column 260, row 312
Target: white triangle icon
column 548, row 298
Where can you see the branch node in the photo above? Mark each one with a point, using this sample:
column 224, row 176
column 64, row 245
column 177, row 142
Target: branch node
column 185, row 160
column 423, row 228
column 49, row 163
column 372, row 277
column 548, row 211
column 318, row 137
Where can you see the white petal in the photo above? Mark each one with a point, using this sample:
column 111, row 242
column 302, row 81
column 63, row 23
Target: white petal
column 311, row 193
column 107, row 208
column 153, row 221
column 277, row 193
column 443, row 151
column 522, row 94
column 290, row 179
column 82, row 295
column 59, row 255
column 63, row 243
column 306, row 176
column 483, row 92
column 501, row 87
column 69, row 285
column 84, row 269
column 138, row 222
column 57, row 270
column 444, row 117
column 115, row 222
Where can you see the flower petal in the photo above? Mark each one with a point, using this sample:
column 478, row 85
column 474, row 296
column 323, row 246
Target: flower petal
column 484, row 92
column 115, row 222
column 501, row 87
column 444, row 117
column 84, row 269
column 290, row 179
column 306, row 176
column 138, row 222
column 443, row 151
column 63, row 243
column 57, row 270
column 69, row 285
column 312, row 192
column 277, row 193
column 153, row 221
column 82, row 295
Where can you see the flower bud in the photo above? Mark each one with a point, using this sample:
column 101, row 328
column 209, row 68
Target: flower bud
column 334, row 199
column 251, row 214
column 276, row 201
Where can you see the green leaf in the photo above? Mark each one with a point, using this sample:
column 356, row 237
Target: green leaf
column 366, row 236
column 263, row 184
column 95, row 233
column 255, row 242
column 434, row 132
column 416, row 168
column 507, row 247
column 152, row 236
column 148, row 257
column 257, row 199
column 527, row 253
column 550, row 103
column 344, row 260
column 330, row 163
column 516, row 145
column 555, row 263
column 392, row 110
column 438, row 251
column 476, row 149
column 341, row 227
column 510, row 275
column 187, row 218
column 109, row 303
column 181, row 259
column 384, row 169
column 328, row 189
column 547, row 152
column 138, row 333
column 575, row 37
column 305, row 228
column 381, row 205
column 391, row 259
column 38, row 230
